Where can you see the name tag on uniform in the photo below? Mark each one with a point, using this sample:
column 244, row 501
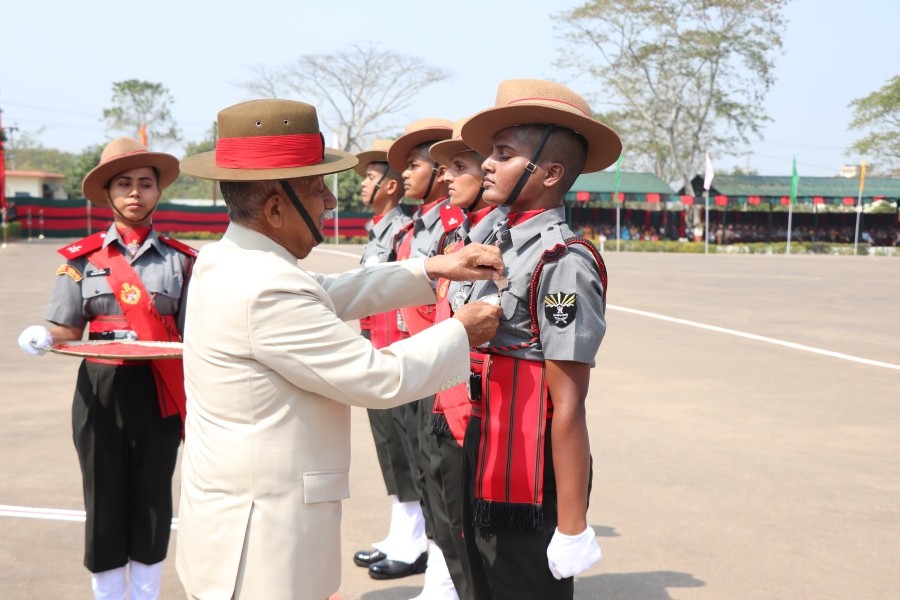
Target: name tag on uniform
column 99, row 272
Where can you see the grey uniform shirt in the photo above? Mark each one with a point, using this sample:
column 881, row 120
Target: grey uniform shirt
column 160, row 267
column 428, row 231
column 381, row 237
column 570, row 304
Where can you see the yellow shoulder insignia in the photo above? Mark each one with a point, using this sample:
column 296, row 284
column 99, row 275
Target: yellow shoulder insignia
column 71, row 271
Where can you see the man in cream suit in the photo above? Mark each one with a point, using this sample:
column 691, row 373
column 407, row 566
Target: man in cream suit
column 272, row 369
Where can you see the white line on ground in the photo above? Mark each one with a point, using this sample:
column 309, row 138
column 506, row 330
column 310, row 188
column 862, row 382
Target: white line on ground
column 50, row 514
column 759, row 338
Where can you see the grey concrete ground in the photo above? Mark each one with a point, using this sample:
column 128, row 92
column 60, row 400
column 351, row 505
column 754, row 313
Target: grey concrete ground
column 726, row 468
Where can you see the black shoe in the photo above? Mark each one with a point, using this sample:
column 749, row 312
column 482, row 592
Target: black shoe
column 393, row 569
column 364, row 558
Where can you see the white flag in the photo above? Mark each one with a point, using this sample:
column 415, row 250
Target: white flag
column 708, row 177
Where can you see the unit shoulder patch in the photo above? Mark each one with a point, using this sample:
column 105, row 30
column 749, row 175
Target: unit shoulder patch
column 71, row 271
column 560, row 308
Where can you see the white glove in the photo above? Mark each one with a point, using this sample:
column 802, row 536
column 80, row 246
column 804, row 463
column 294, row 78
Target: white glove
column 35, row 340
column 569, row 555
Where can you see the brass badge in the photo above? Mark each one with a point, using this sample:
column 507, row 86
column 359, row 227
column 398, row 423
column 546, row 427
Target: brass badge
column 442, row 289
column 130, row 294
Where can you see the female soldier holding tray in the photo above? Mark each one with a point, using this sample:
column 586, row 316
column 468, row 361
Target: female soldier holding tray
column 125, row 283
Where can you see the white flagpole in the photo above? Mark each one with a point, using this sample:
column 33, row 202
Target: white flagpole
column 862, row 179
column 708, row 176
column 706, row 223
column 790, row 216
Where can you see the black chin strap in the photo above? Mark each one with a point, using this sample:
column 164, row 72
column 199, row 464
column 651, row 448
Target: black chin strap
column 313, row 228
column 119, row 212
column 434, row 172
column 529, row 168
column 477, row 198
column 387, row 168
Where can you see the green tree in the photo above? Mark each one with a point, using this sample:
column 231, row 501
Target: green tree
column 136, row 103
column 78, row 166
column 29, row 154
column 187, row 186
column 355, row 89
column 685, row 76
column 879, row 115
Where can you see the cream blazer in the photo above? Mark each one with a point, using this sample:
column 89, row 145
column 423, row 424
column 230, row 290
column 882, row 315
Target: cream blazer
column 271, row 371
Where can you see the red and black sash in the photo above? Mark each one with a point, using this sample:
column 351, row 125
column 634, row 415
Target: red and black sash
column 509, row 477
column 138, row 308
column 515, row 407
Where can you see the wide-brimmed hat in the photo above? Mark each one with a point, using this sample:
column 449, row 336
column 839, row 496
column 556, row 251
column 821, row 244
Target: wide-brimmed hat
column 266, row 140
column 123, row 154
column 377, row 153
column 537, row 102
column 416, row 133
column 444, row 151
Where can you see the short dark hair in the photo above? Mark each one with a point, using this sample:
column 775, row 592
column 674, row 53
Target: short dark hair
column 563, row 146
column 391, row 173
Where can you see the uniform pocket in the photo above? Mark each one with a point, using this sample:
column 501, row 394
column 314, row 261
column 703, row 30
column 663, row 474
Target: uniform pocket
column 325, row 486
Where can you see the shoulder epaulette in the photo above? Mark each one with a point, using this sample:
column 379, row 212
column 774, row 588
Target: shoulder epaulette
column 83, row 246
column 180, row 246
column 451, row 217
column 552, row 239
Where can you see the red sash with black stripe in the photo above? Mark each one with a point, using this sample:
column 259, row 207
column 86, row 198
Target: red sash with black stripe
column 509, row 476
column 138, row 308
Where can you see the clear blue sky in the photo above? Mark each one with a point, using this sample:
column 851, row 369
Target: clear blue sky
column 59, row 63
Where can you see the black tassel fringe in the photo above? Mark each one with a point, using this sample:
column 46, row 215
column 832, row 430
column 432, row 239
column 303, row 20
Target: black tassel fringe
column 491, row 517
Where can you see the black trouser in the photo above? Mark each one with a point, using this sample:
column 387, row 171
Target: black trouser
column 127, row 453
column 511, row 565
column 445, row 490
column 392, row 458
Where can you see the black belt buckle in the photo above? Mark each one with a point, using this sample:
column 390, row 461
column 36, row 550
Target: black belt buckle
column 109, row 336
column 475, row 387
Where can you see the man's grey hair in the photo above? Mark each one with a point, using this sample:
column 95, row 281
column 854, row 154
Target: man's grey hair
column 244, row 199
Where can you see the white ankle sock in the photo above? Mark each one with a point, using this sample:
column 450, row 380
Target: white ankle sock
column 109, row 585
column 438, row 584
column 145, row 580
column 406, row 539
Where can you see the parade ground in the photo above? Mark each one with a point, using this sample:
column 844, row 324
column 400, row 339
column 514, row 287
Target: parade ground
column 744, row 416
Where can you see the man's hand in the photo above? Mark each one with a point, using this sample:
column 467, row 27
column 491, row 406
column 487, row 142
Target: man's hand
column 35, row 340
column 475, row 261
column 480, row 320
column 569, row 555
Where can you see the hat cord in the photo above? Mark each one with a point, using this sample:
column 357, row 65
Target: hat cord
column 303, row 212
column 530, row 167
column 387, row 168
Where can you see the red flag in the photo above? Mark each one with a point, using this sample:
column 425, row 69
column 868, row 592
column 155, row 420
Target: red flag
column 142, row 134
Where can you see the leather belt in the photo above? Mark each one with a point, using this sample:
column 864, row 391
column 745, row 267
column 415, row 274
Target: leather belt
column 115, row 334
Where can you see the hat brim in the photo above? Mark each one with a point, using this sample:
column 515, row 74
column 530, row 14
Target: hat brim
column 399, row 151
column 94, row 186
column 204, row 166
column 369, row 156
column 604, row 145
column 443, row 152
